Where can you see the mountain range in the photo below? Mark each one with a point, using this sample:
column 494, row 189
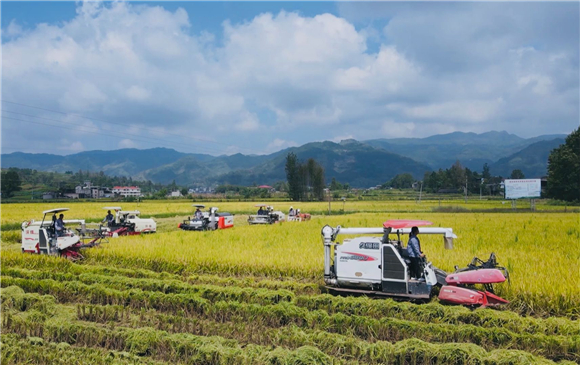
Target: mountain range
column 359, row 163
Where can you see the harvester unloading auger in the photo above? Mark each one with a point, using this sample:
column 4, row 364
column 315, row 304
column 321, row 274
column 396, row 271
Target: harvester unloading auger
column 379, row 266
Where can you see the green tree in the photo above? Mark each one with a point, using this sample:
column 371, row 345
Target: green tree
column 486, row 174
column 457, row 175
column 517, row 174
column 401, row 181
column 293, row 176
column 335, row 185
column 564, row 169
column 318, row 182
column 10, row 183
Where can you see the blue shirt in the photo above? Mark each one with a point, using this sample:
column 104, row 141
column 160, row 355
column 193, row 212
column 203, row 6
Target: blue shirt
column 59, row 225
column 414, row 247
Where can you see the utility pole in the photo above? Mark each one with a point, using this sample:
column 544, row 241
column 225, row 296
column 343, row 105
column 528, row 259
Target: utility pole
column 420, row 191
column 480, row 187
column 328, row 201
column 465, row 189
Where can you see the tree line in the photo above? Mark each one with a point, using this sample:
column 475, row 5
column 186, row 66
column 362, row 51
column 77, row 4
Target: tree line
column 13, row 179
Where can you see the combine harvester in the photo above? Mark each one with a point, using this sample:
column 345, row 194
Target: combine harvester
column 268, row 217
column 379, row 266
column 210, row 221
column 128, row 223
column 41, row 238
column 298, row 217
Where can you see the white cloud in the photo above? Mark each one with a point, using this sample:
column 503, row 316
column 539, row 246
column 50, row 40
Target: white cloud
column 279, row 144
column 288, row 77
column 467, row 111
column 14, row 29
column 126, row 143
column 247, row 122
column 68, row 146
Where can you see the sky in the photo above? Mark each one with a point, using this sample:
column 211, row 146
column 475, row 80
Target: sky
column 257, row 77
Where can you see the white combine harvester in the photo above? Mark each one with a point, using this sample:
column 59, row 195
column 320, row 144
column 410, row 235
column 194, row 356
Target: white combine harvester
column 128, row 223
column 269, row 215
column 209, row 221
column 379, row 266
column 40, row 237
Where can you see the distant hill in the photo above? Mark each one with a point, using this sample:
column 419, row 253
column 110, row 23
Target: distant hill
column 350, row 162
column 361, row 164
column 532, row 160
column 123, row 162
column 471, row 149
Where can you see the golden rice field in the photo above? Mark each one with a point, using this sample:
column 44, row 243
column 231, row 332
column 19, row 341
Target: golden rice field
column 253, row 294
column 16, row 213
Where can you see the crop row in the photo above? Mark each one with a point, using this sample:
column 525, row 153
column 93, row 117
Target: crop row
column 430, row 313
column 286, row 313
column 239, row 327
column 189, row 348
column 168, row 281
column 160, row 345
column 35, row 350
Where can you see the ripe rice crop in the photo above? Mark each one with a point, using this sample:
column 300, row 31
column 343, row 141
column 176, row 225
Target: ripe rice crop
column 14, row 214
column 254, row 294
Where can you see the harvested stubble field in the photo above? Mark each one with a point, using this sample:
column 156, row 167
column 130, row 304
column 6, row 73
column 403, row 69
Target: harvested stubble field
column 253, row 294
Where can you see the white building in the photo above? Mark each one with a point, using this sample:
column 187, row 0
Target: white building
column 127, row 190
column 90, row 191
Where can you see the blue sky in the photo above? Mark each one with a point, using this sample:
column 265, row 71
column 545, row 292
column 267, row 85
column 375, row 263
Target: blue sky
column 227, row 77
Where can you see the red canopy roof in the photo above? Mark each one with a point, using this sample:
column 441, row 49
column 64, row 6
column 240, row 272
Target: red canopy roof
column 265, row 186
column 405, row 223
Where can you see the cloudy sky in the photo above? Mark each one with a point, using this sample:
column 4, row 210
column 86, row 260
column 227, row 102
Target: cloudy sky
column 258, row 77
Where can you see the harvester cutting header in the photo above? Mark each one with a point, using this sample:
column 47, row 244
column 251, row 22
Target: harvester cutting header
column 380, row 266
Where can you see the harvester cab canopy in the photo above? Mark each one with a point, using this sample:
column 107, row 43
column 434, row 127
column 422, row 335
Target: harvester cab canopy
column 198, row 206
column 54, row 211
column 405, row 223
column 57, row 210
column 116, row 209
column 397, row 226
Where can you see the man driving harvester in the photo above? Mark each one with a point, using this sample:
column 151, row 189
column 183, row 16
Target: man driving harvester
column 415, row 254
column 109, row 218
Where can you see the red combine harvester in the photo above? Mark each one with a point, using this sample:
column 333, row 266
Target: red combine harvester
column 379, row 266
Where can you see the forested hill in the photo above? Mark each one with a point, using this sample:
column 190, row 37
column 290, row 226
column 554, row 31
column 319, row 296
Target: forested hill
column 471, row 149
column 361, row 164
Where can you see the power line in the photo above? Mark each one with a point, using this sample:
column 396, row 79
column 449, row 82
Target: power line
column 121, row 124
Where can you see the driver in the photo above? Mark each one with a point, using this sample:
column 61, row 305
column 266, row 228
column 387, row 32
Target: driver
column 415, row 254
column 59, row 226
column 261, row 211
column 291, row 212
column 198, row 214
column 109, row 218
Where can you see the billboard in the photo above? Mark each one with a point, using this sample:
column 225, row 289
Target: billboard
column 523, row 188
